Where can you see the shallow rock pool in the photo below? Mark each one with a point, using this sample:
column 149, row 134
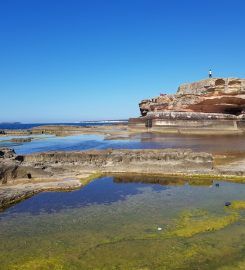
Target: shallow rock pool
column 128, row 223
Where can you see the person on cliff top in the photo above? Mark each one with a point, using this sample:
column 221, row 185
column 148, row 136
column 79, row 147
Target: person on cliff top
column 210, row 74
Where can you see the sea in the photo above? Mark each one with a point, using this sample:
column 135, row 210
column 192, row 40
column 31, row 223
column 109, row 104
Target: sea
column 18, row 125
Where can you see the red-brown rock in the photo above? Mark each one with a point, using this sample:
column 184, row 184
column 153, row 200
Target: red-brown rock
column 214, row 95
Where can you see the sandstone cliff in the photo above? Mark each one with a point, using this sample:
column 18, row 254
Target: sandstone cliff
column 215, row 95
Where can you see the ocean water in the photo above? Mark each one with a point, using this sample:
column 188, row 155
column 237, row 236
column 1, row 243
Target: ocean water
column 127, row 223
column 31, row 125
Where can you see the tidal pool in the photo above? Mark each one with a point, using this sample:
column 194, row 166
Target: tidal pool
column 44, row 143
column 127, row 223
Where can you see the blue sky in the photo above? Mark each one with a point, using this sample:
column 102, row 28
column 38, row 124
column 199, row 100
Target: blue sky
column 72, row 60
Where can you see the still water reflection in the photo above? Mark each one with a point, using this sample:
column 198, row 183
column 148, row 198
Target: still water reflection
column 213, row 144
column 131, row 223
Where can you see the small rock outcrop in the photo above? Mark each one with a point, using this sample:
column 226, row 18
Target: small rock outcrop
column 7, row 153
column 12, row 167
column 21, row 140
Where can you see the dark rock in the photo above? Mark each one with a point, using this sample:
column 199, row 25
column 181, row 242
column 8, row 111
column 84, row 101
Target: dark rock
column 6, row 153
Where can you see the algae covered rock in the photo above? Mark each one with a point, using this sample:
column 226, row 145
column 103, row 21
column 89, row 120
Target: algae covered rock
column 238, row 205
column 200, row 221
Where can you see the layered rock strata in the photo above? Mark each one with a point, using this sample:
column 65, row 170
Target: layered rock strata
column 218, row 102
column 23, row 176
column 43, row 165
column 214, row 95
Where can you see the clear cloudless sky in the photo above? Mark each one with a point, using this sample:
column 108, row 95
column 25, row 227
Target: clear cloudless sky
column 72, row 60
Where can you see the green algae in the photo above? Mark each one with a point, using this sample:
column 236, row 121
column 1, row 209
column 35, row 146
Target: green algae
column 200, row 221
column 200, row 182
column 237, row 205
column 124, row 235
column 175, row 179
column 150, row 179
column 91, row 177
column 236, row 266
column 40, row 264
column 189, row 223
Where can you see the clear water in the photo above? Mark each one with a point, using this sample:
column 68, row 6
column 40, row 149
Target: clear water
column 213, row 144
column 53, row 143
column 127, row 223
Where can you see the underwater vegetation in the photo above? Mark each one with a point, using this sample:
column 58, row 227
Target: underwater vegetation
column 197, row 230
column 200, row 221
column 238, row 205
column 39, row 264
column 237, row 266
column 174, row 179
column 91, row 177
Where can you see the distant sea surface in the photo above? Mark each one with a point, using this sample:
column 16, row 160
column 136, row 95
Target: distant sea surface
column 85, row 123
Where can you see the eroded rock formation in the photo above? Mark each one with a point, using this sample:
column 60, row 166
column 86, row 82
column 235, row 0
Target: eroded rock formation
column 214, row 95
column 13, row 167
column 45, row 165
column 23, row 176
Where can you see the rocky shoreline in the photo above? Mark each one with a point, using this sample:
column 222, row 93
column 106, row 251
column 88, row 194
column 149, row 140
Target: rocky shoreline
column 24, row 176
column 67, row 130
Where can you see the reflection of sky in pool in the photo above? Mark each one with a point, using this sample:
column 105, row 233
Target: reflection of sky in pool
column 139, row 141
column 102, row 191
column 113, row 224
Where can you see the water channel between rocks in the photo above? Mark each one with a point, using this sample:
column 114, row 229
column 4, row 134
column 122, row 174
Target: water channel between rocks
column 43, row 143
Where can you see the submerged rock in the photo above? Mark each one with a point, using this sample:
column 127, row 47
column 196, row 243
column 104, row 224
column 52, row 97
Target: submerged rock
column 21, row 140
